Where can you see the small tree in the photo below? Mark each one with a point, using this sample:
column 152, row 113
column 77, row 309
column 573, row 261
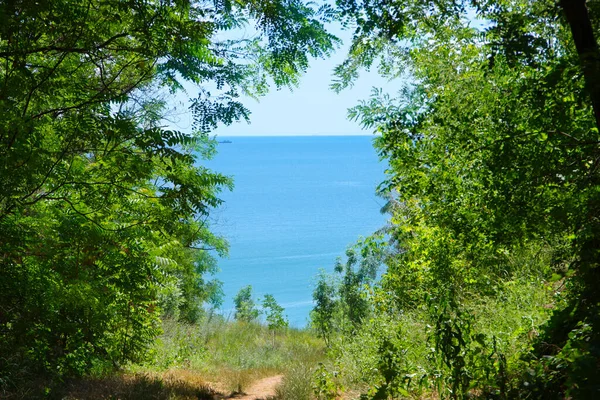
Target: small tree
column 325, row 298
column 245, row 308
column 274, row 312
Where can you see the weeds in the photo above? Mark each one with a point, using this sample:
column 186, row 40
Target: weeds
column 297, row 383
column 232, row 354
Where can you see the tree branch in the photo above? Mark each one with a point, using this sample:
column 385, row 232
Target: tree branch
column 579, row 21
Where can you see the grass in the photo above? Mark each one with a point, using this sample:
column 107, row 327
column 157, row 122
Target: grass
column 213, row 359
column 509, row 321
column 217, row 358
column 231, row 355
column 141, row 386
column 297, row 383
column 118, row 386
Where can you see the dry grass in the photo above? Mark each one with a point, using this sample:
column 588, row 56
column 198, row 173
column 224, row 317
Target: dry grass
column 171, row 386
column 231, row 355
column 214, row 359
column 166, row 386
column 297, row 383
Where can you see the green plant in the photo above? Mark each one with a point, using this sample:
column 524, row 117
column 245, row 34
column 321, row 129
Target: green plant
column 297, row 383
column 274, row 314
column 326, row 301
column 342, row 300
column 104, row 210
column 493, row 151
column 230, row 352
column 326, row 384
column 245, row 307
column 396, row 380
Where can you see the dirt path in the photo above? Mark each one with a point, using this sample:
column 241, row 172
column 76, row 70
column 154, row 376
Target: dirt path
column 262, row 389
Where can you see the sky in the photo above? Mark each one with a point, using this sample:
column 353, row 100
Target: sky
column 310, row 109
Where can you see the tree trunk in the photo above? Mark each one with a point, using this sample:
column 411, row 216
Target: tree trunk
column 578, row 19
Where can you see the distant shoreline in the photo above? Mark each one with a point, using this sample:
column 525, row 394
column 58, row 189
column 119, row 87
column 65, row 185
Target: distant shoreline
column 296, row 136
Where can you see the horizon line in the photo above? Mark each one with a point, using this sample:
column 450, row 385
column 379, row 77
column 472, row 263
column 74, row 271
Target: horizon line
column 299, row 135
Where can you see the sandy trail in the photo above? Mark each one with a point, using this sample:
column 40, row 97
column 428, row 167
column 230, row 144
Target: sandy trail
column 262, row 389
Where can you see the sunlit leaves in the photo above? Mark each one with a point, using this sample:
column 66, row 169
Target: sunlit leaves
column 493, row 155
column 104, row 211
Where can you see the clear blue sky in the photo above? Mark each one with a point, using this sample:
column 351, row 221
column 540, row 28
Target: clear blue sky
column 310, row 109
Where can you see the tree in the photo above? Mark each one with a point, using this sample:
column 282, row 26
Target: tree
column 343, row 299
column 245, row 307
column 104, row 211
column 274, row 314
column 326, row 304
column 356, row 282
column 493, row 148
column 276, row 321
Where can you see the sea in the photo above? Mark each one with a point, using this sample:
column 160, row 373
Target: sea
column 298, row 203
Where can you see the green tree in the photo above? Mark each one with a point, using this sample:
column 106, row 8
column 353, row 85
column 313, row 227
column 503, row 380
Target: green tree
column 104, row 211
column 343, row 299
column 493, row 150
column 357, row 275
column 274, row 313
column 245, row 306
column 325, row 297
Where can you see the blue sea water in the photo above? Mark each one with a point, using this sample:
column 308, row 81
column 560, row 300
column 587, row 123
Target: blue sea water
column 298, row 203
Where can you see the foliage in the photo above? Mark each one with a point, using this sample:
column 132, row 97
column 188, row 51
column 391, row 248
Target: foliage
column 234, row 354
column 413, row 352
column 276, row 321
column 342, row 301
column 493, row 183
column 354, row 285
column 457, row 351
column 188, row 359
column 297, row 383
column 245, row 307
column 104, row 211
column 326, row 385
column 322, row 314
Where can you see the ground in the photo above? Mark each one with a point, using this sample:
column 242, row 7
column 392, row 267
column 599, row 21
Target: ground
column 171, row 385
column 262, row 389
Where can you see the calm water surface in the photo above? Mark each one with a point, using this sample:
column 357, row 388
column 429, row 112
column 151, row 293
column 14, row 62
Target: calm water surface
column 298, row 203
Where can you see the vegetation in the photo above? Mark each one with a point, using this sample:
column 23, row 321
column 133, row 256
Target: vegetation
column 103, row 211
column 482, row 285
column 245, row 307
column 276, row 321
column 209, row 359
column 231, row 353
column 492, row 250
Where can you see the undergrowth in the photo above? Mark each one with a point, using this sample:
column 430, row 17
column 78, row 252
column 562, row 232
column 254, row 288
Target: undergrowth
column 232, row 354
column 397, row 355
column 196, row 361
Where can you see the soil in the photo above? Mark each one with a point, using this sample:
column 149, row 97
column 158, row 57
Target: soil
column 263, row 389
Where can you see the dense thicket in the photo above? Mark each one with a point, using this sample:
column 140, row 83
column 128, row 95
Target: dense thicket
column 104, row 211
column 494, row 157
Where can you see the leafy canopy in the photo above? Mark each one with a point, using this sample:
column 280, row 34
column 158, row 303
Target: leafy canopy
column 493, row 152
column 104, row 212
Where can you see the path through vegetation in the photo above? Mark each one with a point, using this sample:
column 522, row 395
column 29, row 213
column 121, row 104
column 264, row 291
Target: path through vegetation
column 262, row 389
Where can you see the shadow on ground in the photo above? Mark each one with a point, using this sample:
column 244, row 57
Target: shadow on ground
column 178, row 386
column 139, row 386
